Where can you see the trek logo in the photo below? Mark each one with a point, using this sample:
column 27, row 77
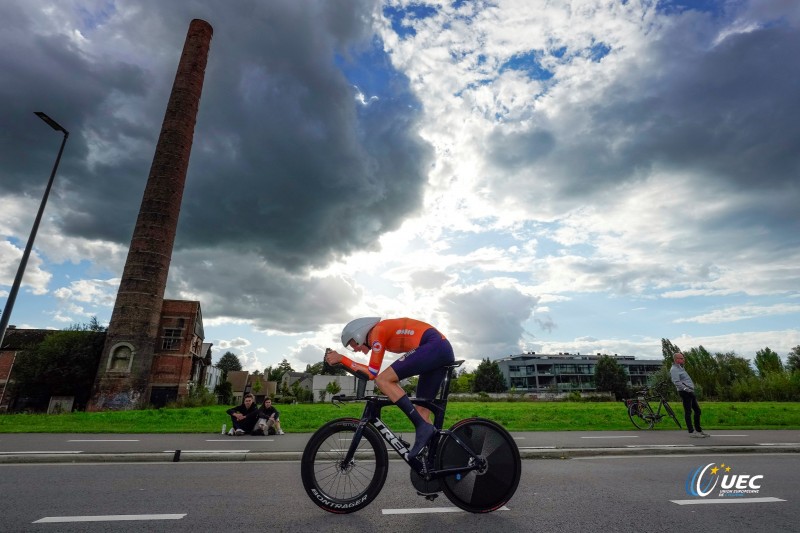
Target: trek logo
column 703, row 480
column 404, row 332
column 390, row 437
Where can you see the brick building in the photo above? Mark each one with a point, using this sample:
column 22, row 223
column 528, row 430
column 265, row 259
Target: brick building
column 181, row 359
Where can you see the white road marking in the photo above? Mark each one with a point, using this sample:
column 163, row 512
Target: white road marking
column 727, row 500
column 614, row 437
column 103, row 440
column 659, row 446
column 44, row 452
column 431, row 510
column 536, row 447
column 229, row 440
column 207, row 451
column 109, row 518
column 715, row 435
column 519, row 438
column 778, row 443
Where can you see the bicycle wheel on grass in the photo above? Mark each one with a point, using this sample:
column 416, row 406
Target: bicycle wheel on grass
column 339, row 487
column 485, row 490
column 641, row 415
column 671, row 413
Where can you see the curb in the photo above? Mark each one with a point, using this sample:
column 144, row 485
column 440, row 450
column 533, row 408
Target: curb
column 525, row 453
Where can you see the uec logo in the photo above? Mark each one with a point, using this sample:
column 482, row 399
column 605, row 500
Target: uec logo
column 704, row 480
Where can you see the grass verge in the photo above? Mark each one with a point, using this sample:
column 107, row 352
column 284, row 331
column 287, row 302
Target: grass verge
column 514, row 416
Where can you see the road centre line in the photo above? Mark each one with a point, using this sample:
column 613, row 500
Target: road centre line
column 103, row 440
column 207, row 451
column 108, row 518
column 614, row 437
column 727, row 500
column 229, row 440
column 431, row 510
column 659, row 446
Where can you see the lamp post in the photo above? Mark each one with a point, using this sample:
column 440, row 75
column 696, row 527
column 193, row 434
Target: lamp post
column 12, row 295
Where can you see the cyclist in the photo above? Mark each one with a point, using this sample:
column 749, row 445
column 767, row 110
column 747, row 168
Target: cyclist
column 427, row 352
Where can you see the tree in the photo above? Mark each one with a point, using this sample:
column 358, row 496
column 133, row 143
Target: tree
column 668, row 350
column 227, row 363
column 768, row 362
column 63, row 364
column 610, row 376
column 463, row 382
column 704, row 369
column 276, row 373
column 333, row 388
column 224, row 392
column 488, row 377
column 793, row 361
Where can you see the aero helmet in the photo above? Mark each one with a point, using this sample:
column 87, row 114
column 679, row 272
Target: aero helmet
column 357, row 330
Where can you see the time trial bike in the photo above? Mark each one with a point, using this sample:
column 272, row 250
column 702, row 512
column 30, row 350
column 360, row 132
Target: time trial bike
column 476, row 462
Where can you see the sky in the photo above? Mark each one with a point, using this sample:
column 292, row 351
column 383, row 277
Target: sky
column 585, row 176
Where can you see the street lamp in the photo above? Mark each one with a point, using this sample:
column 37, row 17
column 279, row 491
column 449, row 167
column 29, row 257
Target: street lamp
column 12, row 295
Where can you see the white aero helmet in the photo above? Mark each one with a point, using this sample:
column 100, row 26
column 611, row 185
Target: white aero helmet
column 357, row 330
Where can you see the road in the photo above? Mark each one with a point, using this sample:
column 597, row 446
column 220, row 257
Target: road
column 586, row 494
column 57, row 447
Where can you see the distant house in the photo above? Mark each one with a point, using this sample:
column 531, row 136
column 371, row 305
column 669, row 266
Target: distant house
column 347, row 384
column 242, row 383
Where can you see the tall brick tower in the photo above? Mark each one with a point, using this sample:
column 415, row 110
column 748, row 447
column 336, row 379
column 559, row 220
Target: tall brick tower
column 124, row 375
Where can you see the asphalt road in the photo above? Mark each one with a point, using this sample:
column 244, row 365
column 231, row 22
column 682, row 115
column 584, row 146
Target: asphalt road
column 62, row 447
column 586, row 495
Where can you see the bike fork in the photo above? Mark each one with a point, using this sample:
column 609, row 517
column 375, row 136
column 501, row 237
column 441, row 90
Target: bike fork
column 347, row 460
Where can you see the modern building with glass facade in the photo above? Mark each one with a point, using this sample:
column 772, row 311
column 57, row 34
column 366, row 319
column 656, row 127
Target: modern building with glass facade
column 568, row 372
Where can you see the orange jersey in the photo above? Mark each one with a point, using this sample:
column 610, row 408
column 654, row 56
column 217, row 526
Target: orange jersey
column 396, row 335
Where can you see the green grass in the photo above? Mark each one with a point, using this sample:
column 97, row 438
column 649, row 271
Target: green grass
column 514, row 416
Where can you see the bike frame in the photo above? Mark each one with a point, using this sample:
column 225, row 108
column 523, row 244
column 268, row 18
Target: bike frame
column 438, row 406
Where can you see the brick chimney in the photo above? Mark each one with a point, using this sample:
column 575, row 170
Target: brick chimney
column 124, row 376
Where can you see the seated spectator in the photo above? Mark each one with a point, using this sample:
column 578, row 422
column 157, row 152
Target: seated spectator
column 268, row 419
column 243, row 417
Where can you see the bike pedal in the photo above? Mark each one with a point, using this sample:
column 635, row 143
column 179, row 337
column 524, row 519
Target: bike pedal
column 430, row 497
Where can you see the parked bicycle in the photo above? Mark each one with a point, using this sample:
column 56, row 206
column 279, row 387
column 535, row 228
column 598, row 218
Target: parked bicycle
column 476, row 462
column 640, row 411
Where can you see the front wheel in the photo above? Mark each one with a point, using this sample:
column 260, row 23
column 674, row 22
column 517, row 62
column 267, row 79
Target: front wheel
column 340, row 486
column 641, row 415
column 491, row 486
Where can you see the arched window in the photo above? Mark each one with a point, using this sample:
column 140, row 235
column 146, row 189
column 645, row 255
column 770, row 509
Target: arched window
column 121, row 358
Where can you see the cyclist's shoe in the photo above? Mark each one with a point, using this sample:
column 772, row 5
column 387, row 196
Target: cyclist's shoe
column 696, row 435
column 238, row 432
column 424, row 434
column 704, row 434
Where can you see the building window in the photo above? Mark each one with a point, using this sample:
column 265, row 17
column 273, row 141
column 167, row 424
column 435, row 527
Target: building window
column 172, row 339
column 121, row 358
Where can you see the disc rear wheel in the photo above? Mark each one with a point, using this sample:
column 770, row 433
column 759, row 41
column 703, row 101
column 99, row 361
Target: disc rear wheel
column 491, row 485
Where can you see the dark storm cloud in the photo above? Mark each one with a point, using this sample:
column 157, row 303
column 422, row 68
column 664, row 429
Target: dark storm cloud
column 286, row 163
column 488, row 320
column 246, row 287
column 725, row 112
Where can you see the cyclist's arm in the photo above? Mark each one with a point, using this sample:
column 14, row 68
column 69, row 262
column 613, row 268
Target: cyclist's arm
column 332, row 357
column 356, row 367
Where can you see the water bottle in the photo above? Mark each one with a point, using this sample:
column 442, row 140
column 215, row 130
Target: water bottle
column 224, row 427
